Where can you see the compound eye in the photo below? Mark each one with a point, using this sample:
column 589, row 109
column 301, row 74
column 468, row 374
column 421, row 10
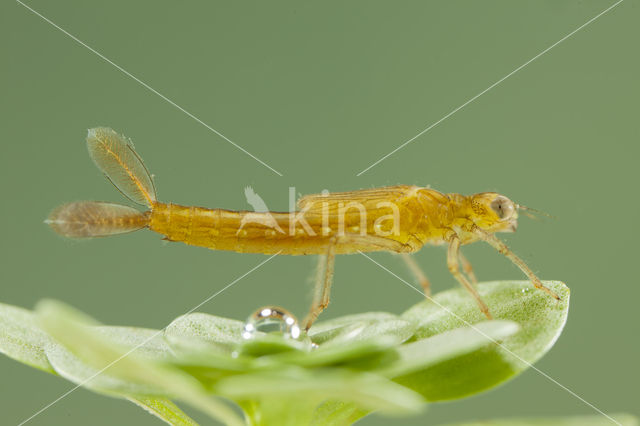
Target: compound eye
column 503, row 207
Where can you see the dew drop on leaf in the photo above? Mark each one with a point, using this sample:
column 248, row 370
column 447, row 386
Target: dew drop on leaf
column 268, row 317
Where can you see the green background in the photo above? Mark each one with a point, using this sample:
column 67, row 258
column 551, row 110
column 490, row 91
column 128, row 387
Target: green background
column 319, row 92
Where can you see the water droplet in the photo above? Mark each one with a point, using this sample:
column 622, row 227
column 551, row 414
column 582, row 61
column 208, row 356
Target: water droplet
column 266, row 317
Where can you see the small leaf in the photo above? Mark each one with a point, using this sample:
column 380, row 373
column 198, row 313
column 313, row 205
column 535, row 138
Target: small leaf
column 592, row 420
column 279, row 411
column 361, row 341
column 365, row 326
column 367, row 362
column 359, row 354
column 541, row 319
column 148, row 343
column 336, row 413
column 70, row 328
column 165, row 410
column 418, row 356
column 76, row 370
column 269, row 344
column 198, row 331
column 143, row 343
column 368, row 391
column 22, row 339
column 211, row 347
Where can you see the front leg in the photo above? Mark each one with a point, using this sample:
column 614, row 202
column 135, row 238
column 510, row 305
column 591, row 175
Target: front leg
column 468, row 269
column 502, row 248
column 453, row 254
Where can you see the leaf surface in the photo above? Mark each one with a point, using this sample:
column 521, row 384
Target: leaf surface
column 541, row 319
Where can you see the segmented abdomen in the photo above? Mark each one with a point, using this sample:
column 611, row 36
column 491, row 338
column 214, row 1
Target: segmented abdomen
column 268, row 233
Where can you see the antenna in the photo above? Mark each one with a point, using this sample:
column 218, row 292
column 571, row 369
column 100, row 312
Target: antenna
column 530, row 209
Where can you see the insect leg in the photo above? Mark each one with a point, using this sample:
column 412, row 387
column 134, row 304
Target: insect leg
column 467, row 268
column 417, row 272
column 318, row 280
column 454, row 267
column 502, row 248
column 328, row 276
column 322, row 287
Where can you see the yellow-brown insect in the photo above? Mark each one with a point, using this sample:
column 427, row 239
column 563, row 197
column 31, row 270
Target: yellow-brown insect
column 398, row 219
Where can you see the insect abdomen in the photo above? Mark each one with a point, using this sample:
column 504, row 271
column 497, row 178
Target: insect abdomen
column 184, row 223
column 219, row 229
column 239, row 231
column 267, row 233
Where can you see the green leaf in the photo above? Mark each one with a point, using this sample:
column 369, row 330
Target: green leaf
column 417, row 357
column 296, row 385
column 359, row 354
column 204, row 332
column 541, row 319
column 361, row 363
column 211, row 347
column 85, row 370
column 120, row 365
column 144, row 344
column 336, row 413
column 300, row 411
column 22, row 339
column 592, row 420
column 269, row 344
column 361, row 341
column 148, row 343
column 365, row 326
column 278, row 411
column 165, row 410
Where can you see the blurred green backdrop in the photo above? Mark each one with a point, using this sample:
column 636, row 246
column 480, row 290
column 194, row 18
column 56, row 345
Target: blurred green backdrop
column 319, row 92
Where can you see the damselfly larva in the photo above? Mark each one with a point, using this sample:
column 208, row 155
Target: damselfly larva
column 398, row 219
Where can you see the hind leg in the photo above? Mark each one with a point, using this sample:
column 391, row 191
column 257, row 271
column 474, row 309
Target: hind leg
column 322, row 290
column 417, row 273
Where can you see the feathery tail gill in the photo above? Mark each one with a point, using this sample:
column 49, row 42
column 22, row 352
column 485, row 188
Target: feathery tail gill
column 114, row 155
